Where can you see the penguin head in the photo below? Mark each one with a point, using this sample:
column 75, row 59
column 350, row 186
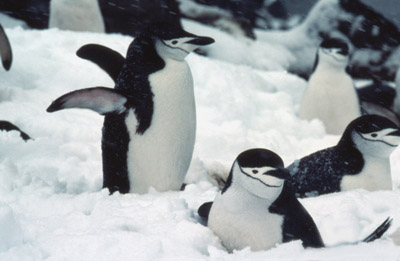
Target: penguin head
column 334, row 51
column 372, row 134
column 259, row 172
column 175, row 43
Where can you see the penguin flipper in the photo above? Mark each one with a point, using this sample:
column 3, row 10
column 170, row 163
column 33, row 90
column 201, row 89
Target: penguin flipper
column 379, row 231
column 99, row 99
column 107, row 59
column 5, row 49
column 8, row 126
column 204, row 210
column 298, row 223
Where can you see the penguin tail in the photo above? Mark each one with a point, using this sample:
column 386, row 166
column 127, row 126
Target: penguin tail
column 379, row 231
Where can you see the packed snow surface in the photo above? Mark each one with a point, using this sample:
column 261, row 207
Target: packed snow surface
column 52, row 205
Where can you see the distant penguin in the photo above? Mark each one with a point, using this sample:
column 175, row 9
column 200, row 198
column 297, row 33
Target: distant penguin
column 330, row 95
column 76, row 15
column 150, row 118
column 379, row 98
column 5, row 50
column 361, row 159
column 257, row 209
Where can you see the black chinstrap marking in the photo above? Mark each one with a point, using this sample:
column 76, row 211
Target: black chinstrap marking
column 271, row 186
column 177, row 48
column 394, row 146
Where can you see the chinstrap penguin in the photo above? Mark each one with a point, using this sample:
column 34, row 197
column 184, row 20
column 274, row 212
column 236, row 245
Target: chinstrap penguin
column 257, row 209
column 381, row 99
column 76, row 15
column 150, row 118
column 330, row 95
column 359, row 160
column 5, row 50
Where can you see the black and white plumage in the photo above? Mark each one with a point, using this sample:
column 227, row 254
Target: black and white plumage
column 382, row 99
column 150, row 119
column 359, row 160
column 257, row 209
column 330, row 95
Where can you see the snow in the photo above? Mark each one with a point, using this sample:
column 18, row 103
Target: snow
column 51, row 202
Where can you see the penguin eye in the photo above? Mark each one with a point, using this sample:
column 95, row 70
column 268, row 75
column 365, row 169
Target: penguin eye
column 254, row 171
column 174, row 42
column 374, row 135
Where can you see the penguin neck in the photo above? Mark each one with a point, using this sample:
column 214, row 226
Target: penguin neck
column 237, row 198
column 328, row 64
column 141, row 61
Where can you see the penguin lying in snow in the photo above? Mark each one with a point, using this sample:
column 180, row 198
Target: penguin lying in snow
column 150, row 118
column 256, row 208
column 359, row 160
column 330, row 95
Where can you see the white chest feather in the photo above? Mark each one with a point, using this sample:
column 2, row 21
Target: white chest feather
column 330, row 97
column 240, row 221
column 76, row 15
column 161, row 156
column 374, row 176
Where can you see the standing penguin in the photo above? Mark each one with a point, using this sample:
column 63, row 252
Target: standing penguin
column 76, row 15
column 361, row 159
column 150, row 118
column 257, row 209
column 330, row 95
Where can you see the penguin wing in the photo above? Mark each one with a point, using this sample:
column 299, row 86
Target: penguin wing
column 99, row 99
column 107, row 59
column 297, row 222
column 204, row 210
column 5, row 49
column 8, row 126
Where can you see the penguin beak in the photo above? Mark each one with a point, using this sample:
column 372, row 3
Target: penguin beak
column 280, row 173
column 394, row 133
column 200, row 41
column 392, row 138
